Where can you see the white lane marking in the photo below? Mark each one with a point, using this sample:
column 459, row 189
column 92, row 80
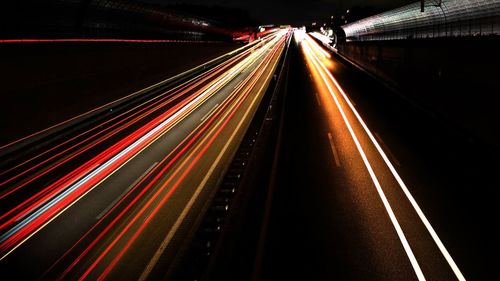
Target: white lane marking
column 130, row 95
column 317, row 98
column 229, row 76
column 209, row 112
column 184, row 212
column 334, row 150
column 405, row 189
column 387, row 149
column 88, row 191
column 390, row 212
column 94, row 173
column 125, row 192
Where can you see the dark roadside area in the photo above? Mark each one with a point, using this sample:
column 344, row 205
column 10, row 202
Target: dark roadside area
column 46, row 83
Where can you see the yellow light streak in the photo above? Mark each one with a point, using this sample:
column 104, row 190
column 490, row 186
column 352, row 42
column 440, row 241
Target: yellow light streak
column 401, row 183
column 319, row 66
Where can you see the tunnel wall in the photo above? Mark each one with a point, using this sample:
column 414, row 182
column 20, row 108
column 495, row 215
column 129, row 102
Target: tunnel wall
column 439, row 18
column 454, row 78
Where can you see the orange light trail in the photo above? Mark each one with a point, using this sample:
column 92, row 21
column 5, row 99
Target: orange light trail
column 311, row 50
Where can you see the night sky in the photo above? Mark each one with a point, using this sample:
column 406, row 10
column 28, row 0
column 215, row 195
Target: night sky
column 291, row 11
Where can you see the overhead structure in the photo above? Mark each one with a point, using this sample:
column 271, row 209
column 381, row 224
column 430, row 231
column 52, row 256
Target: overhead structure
column 441, row 18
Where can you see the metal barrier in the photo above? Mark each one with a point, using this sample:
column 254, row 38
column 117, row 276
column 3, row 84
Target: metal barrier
column 446, row 18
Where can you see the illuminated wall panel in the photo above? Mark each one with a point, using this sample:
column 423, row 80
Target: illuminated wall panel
column 452, row 18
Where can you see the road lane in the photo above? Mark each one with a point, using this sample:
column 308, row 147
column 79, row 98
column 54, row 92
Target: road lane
column 422, row 237
column 15, row 213
column 59, row 77
column 29, row 164
column 145, row 246
column 326, row 222
column 326, row 215
column 90, row 206
column 452, row 176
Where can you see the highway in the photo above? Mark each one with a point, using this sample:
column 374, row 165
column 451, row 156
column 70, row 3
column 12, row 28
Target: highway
column 112, row 200
column 62, row 79
column 368, row 185
column 372, row 188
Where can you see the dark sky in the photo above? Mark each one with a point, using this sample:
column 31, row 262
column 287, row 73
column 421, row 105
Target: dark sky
column 292, row 11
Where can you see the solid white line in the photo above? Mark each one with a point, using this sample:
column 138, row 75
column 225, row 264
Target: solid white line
column 209, row 112
column 102, row 167
column 334, row 150
column 193, row 198
column 318, row 47
column 390, row 212
column 125, row 97
column 227, row 77
column 405, row 189
column 125, row 191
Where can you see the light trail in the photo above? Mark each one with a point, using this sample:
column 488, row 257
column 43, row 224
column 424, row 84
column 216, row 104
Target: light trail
column 253, row 44
column 170, row 235
column 14, row 237
column 29, row 219
column 189, row 163
column 401, row 183
column 323, row 69
column 315, row 62
column 176, row 153
column 176, row 91
column 134, row 115
column 317, row 48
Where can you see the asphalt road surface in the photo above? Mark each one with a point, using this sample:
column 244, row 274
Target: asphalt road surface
column 371, row 187
column 117, row 207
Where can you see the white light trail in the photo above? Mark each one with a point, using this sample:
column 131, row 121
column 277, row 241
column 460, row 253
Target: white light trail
column 390, row 212
column 398, row 178
column 403, row 186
